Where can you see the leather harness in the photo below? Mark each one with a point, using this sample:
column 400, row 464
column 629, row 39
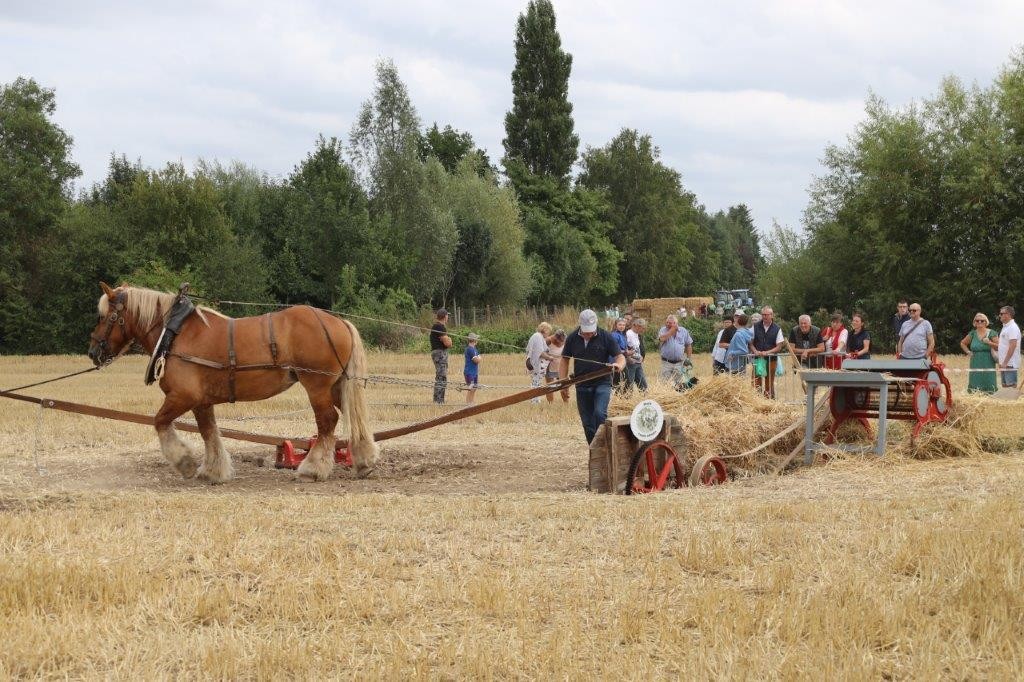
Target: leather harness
column 176, row 316
column 232, row 365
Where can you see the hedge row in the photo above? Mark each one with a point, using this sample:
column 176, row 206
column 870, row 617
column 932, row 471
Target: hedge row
column 499, row 339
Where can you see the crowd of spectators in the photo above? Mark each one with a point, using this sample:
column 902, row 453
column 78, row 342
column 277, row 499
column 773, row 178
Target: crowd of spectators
column 995, row 357
column 742, row 341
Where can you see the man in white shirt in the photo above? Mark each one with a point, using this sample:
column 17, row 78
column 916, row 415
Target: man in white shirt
column 1009, row 347
column 635, row 356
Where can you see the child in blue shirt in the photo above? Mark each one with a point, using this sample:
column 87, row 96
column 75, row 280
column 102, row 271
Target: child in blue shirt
column 739, row 347
column 472, row 371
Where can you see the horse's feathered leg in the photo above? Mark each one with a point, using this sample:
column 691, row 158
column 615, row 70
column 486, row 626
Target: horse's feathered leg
column 319, row 463
column 216, row 467
column 176, row 452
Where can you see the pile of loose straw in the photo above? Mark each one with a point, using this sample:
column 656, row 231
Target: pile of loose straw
column 724, row 415
column 958, row 436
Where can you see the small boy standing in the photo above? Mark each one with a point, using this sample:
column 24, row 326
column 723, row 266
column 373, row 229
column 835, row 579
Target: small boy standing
column 472, row 371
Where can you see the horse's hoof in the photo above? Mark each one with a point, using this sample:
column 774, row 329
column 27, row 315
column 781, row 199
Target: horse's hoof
column 366, row 472
column 187, row 467
column 207, row 477
column 305, row 478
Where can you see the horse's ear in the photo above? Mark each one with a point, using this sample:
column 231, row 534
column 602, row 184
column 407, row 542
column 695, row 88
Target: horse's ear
column 107, row 290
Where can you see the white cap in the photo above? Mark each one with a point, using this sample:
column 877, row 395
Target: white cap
column 588, row 321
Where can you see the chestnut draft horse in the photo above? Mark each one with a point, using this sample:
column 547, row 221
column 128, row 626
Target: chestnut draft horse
column 268, row 354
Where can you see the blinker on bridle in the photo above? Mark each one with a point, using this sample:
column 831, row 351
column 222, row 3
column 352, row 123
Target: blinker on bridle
column 115, row 316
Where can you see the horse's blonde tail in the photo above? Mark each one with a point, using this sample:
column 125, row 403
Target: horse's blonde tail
column 354, row 408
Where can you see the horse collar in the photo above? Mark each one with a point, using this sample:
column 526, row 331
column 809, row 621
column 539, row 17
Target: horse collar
column 182, row 308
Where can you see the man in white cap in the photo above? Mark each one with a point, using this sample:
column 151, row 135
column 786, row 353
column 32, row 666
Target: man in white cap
column 590, row 349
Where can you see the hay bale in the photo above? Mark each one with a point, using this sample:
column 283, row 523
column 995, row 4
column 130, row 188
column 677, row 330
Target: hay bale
column 715, row 395
column 986, row 417
column 976, row 424
column 654, row 310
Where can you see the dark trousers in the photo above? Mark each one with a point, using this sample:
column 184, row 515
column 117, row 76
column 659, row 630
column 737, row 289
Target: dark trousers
column 635, row 377
column 592, row 403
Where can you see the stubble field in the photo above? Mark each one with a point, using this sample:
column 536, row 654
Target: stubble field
column 476, row 551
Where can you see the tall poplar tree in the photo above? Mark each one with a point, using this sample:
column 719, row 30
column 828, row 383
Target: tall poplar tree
column 747, row 243
column 539, row 128
column 417, row 231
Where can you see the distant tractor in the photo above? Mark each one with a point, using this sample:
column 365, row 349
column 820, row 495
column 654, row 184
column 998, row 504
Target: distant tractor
column 731, row 299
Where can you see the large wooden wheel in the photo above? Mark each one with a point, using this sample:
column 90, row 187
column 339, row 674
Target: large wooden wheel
column 654, row 467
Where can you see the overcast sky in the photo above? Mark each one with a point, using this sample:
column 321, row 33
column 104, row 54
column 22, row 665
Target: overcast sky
column 741, row 96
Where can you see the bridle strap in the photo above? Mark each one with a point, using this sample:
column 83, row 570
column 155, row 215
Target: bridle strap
column 114, row 316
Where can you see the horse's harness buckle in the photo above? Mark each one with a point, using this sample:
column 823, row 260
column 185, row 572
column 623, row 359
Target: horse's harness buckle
column 159, row 366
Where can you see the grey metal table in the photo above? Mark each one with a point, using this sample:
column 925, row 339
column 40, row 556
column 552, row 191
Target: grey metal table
column 816, row 379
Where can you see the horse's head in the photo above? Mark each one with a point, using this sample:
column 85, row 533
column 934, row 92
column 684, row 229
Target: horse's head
column 113, row 330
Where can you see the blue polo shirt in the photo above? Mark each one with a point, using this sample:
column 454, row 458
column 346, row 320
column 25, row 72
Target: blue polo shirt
column 674, row 348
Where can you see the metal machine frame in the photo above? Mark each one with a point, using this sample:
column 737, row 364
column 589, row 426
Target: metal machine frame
column 832, row 380
column 912, row 390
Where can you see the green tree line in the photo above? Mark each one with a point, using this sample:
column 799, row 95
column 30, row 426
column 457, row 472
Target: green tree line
column 924, row 202
column 384, row 220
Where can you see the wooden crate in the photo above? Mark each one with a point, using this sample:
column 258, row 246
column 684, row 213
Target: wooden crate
column 613, row 448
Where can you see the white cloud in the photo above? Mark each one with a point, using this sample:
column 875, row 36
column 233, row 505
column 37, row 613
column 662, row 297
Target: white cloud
column 741, row 97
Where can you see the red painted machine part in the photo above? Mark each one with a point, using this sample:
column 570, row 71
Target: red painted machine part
column 645, row 476
column 289, row 457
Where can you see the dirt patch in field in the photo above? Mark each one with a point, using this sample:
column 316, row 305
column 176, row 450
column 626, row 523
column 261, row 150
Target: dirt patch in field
column 445, row 469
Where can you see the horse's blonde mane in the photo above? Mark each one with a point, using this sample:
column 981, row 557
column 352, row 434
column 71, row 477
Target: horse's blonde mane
column 144, row 305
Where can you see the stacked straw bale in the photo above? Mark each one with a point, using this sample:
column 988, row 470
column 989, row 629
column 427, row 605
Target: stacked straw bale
column 655, row 310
